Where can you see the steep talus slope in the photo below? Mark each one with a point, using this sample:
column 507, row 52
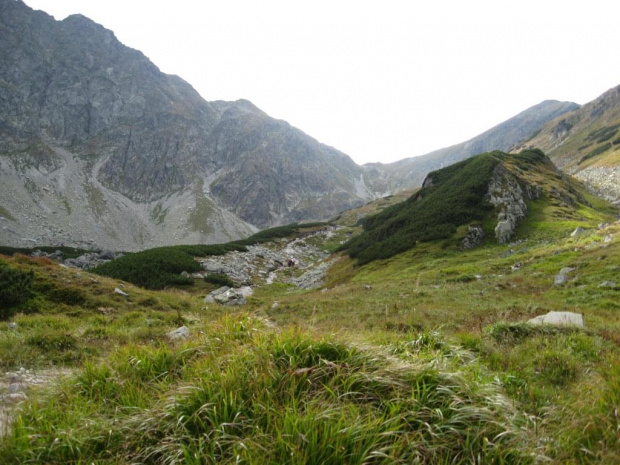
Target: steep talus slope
column 586, row 143
column 139, row 138
column 410, row 172
column 492, row 197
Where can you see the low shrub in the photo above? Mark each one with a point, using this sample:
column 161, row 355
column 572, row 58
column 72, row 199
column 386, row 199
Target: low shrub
column 597, row 151
column 153, row 269
column 52, row 340
column 514, row 333
column 15, row 289
column 603, row 134
column 67, row 295
column 162, row 267
column 220, row 280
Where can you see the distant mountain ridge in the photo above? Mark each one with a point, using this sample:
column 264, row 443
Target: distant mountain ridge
column 586, row 143
column 410, row 172
column 150, row 160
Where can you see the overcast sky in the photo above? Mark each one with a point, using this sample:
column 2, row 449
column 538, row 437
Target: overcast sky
column 379, row 80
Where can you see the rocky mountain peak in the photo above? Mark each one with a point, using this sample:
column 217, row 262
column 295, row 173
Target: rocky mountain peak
column 76, row 102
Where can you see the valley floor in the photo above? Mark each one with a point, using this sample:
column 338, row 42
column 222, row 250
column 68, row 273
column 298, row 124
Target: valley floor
column 422, row 358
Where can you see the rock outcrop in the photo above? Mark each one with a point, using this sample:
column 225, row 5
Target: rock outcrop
column 475, row 237
column 507, row 196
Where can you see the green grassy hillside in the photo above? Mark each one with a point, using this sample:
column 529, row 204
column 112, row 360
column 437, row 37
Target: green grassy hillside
column 424, row 357
column 586, row 137
column 457, row 197
column 586, row 143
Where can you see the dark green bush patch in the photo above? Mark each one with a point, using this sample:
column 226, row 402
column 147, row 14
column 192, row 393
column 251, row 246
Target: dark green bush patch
column 153, row 268
column 597, row 151
column 220, row 280
column 603, row 134
column 162, row 266
column 15, row 288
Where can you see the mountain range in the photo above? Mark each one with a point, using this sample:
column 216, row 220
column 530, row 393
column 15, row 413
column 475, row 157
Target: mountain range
column 98, row 147
column 410, row 172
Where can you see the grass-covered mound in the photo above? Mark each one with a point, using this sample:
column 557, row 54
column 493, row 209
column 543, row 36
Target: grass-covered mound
column 162, row 266
column 241, row 393
column 456, row 197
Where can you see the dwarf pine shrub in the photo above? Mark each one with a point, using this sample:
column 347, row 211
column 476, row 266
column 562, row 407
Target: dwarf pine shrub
column 15, row 288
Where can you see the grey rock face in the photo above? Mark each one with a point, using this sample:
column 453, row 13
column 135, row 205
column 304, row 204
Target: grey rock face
column 265, row 265
column 506, row 194
column 101, row 145
column 313, row 278
column 605, row 180
column 533, row 192
column 227, row 296
column 577, row 232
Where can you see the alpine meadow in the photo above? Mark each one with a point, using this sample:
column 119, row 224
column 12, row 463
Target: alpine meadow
column 195, row 282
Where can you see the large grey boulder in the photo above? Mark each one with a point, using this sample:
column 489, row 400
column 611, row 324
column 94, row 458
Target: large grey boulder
column 562, row 277
column 475, row 237
column 559, row 319
column 228, row 296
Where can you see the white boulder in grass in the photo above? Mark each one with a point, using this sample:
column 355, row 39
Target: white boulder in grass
column 559, row 319
column 181, row 333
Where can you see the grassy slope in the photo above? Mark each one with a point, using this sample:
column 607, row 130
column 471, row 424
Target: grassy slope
column 352, row 217
column 583, row 131
column 568, row 381
column 420, row 356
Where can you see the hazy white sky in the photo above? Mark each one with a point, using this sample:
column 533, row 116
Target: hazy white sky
column 379, row 80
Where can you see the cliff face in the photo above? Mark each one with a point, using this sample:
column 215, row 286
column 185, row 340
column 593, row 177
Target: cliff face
column 72, row 94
